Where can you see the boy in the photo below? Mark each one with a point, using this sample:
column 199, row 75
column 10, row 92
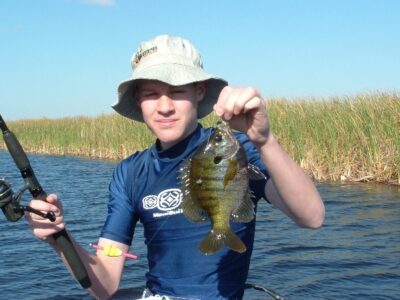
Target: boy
column 169, row 91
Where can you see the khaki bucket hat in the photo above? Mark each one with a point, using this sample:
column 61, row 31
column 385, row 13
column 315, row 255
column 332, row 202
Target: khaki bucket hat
column 172, row 60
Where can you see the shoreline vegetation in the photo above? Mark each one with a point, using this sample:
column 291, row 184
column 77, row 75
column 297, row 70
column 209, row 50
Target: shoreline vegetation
column 350, row 139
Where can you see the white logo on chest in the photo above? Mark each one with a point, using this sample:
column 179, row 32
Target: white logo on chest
column 166, row 200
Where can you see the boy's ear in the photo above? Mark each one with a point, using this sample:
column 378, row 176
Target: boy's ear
column 201, row 88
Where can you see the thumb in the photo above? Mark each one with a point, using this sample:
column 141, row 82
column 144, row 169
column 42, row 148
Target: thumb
column 53, row 199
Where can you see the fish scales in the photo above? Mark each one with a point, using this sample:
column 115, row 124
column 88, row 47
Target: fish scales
column 215, row 186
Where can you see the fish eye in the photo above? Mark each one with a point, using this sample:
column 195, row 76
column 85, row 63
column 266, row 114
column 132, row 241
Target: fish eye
column 217, row 159
column 218, row 137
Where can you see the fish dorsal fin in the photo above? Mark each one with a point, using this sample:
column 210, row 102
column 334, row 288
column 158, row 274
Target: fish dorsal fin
column 255, row 173
column 245, row 211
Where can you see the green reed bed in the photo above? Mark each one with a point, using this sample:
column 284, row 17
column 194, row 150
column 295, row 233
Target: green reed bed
column 105, row 136
column 349, row 138
column 352, row 139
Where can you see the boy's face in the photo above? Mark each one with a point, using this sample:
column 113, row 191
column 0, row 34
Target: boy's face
column 169, row 111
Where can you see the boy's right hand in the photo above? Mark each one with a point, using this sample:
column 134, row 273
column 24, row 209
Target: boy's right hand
column 43, row 228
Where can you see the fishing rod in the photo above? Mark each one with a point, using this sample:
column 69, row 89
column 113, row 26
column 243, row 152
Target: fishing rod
column 261, row 288
column 13, row 210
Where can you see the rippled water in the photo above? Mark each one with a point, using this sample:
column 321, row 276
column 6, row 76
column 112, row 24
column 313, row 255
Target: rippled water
column 355, row 255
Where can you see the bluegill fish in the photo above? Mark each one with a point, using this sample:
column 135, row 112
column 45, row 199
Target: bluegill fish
column 215, row 185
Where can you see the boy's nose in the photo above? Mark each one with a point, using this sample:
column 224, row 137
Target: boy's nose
column 165, row 104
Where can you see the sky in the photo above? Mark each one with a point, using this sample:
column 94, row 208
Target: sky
column 65, row 58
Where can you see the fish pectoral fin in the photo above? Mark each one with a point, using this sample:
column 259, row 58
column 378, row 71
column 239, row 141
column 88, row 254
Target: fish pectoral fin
column 255, row 173
column 193, row 211
column 231, row 172
column 217, row 238
column 244, row 213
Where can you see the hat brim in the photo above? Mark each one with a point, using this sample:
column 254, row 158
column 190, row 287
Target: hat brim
column 172, row 74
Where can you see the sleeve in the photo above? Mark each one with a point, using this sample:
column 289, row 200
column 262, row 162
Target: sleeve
column 253, row 156
column 121, row 218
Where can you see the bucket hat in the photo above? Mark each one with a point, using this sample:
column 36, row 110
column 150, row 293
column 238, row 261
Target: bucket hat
column 172, row 60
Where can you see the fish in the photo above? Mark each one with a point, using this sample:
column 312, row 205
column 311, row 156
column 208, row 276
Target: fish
column 215, row 187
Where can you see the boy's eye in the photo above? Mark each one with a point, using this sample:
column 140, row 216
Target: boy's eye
column 178, row 91
column 148, row 95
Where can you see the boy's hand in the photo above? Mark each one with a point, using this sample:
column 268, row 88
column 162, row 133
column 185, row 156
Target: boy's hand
column 43, row 228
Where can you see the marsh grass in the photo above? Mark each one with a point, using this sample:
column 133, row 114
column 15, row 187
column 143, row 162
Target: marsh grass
column 105, row 136
column 348, row 139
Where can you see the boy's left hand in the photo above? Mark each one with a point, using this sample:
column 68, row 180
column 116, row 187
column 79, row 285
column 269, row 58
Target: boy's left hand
column 245, row 110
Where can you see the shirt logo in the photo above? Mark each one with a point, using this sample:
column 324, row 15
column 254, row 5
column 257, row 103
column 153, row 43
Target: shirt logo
column 166, row 201
column 169, row 199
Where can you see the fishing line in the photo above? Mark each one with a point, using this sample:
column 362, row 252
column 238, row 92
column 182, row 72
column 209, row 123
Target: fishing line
column 158, row 229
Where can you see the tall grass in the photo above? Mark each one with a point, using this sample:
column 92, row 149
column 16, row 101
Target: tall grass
column 349, row 138
column 354, row 139
column 105, row 136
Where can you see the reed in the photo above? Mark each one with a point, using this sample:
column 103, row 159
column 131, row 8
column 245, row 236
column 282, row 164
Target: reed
column 104, row 136
column 349, row 138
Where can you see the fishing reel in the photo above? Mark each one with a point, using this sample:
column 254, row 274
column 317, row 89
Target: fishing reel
column 10, row 203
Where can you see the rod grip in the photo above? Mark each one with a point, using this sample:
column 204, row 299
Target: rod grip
column 63, row 241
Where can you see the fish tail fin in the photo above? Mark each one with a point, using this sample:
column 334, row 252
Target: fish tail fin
column 216, row 239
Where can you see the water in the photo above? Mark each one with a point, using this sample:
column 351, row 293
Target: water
column 355, row 255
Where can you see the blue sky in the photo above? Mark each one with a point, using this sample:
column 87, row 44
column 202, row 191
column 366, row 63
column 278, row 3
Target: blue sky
column 62, row 58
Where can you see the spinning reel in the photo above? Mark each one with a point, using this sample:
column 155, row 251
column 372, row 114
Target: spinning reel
column 10, row 203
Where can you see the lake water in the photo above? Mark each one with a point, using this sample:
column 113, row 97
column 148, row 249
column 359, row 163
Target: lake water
column 355, row 255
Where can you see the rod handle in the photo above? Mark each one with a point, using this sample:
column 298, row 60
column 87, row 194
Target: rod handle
column 63, row 241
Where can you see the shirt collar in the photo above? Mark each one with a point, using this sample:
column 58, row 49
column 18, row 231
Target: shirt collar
column 182, row 148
